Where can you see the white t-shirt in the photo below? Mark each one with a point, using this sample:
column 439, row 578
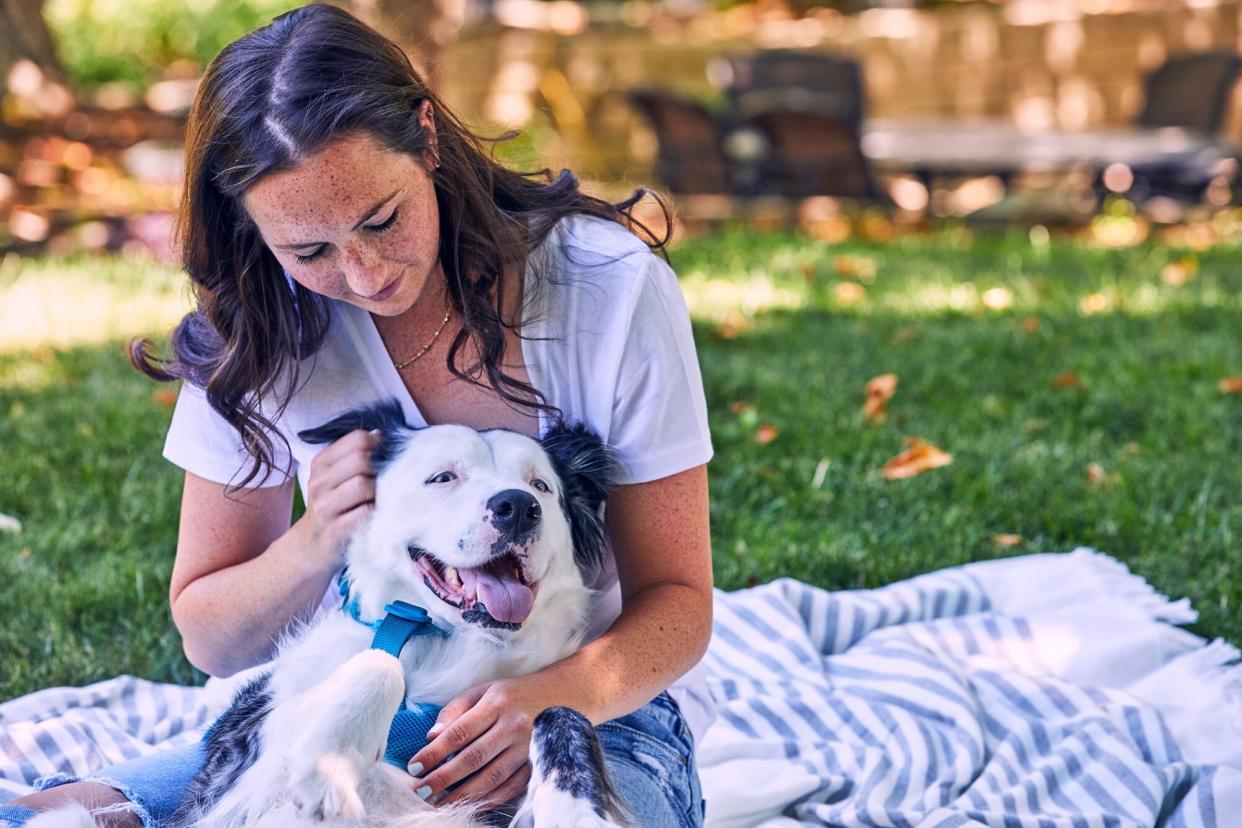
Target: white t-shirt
column 607, row 341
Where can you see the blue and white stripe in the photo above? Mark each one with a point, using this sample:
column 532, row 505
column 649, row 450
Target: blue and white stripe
column 924, row 705
column 1042, row 692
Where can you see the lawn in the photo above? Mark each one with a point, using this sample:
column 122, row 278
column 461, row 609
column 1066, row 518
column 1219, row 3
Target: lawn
column 1076, row 388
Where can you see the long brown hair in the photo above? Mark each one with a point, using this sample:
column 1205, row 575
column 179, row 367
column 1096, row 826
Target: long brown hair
column 268, row 101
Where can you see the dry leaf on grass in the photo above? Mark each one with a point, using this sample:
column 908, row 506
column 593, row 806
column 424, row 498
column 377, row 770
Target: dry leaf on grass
column 1006, row 540
column 766, row 433
column 1230, row 385
column 1030, row 325
column 1095, row 475
column 905, row 335
column 732, row 325
column 164, row 396
column 1066, row 379
column 879, row 391
column 919, row 456
column 857, row 267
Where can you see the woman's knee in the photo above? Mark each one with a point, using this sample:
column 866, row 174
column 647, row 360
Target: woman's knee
column 106, row 802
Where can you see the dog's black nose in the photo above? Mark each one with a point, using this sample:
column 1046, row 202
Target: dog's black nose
column 515, row 511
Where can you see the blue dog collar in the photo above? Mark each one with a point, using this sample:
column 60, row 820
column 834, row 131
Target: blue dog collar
column 407, row 734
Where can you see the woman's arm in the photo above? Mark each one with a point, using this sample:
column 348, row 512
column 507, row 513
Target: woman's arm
column 243, row 574
column 662, row 543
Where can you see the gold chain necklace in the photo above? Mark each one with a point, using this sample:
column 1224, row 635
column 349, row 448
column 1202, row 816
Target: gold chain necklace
column 426, row 348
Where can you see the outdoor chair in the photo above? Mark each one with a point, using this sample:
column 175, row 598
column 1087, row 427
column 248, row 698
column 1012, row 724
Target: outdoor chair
column 1190, row 91
column 691, row 159
column 810, row 153
column 802, row 81
column 808, row 108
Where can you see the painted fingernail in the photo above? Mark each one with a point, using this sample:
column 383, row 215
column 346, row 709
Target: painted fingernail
column 415, row 768
column 423, row 792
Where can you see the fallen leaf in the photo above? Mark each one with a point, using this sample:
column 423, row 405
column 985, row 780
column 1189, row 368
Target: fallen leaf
column 857, row 267
column 1030, row 325
column 879, row 391
column 919, row 456
column 1007, row 540
column 164, row 396
column 8, row 523
column 1067, row 379
column 1132, row 449
column 732, row 325
column 997, row 298
column 1095, row 475
column 1230, row 385
column 849, row 293
column 905, row 335
column 1178, row 273
column 766, row 433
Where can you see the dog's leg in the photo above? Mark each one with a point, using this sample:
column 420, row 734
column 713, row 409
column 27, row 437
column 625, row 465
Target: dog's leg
column 569, row 786
column 336, row 731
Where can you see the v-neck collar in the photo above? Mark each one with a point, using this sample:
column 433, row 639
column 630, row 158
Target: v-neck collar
column 384, row 376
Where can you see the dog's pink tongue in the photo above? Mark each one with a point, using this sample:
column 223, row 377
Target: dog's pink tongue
column 506, row 598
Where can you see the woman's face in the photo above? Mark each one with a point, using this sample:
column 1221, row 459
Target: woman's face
column 356, row 222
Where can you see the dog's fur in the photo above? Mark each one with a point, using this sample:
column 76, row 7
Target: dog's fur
column 461, row 518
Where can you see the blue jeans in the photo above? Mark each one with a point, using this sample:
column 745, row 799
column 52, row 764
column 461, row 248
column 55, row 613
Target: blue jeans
column 650, row 757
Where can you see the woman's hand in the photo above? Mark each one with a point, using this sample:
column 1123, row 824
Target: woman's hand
column 489, row 728
column 341, row 493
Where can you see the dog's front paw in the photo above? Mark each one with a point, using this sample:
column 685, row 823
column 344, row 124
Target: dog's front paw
column 328, row 790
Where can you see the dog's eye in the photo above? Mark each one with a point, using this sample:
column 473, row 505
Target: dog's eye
column 540, row 485
column 442, row 477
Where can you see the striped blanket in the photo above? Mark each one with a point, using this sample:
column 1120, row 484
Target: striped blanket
column 1041, row 692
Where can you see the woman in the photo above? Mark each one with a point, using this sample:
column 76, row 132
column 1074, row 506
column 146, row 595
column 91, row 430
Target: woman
column 348, row 240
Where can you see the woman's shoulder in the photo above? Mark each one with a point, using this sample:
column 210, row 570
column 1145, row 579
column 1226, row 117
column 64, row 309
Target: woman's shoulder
column 590, row 266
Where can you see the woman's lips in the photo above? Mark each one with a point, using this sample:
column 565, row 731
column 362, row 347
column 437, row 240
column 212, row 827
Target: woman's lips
column 386, row 292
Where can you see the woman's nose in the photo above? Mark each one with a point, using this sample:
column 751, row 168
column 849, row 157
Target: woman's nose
column 363, row 269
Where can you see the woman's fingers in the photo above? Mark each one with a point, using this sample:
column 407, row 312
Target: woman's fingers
column 500, row 780
column 473, row 741
column 342, row 488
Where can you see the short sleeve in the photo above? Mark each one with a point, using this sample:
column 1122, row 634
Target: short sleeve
column 202, row 442
column 659, row 418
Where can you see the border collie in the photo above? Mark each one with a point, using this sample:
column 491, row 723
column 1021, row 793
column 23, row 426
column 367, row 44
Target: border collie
column 495, row 535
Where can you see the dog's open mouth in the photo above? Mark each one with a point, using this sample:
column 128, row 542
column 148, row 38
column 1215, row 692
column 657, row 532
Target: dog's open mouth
column 497, row 594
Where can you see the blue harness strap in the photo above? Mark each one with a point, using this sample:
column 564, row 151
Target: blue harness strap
column 407, row 734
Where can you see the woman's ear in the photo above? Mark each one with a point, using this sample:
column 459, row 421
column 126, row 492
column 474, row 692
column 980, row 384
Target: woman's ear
column 426, row 119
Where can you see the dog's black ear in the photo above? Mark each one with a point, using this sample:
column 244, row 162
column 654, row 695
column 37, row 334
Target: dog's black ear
column 587, row 469
column 384, row 415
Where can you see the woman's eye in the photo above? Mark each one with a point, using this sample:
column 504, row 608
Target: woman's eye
column 386, row 224
column 442, row 477
column 540, row 485
column 307, row 259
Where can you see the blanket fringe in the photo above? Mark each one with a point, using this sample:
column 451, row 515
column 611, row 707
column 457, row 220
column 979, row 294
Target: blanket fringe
column 1199, row 695
column 1034, row 584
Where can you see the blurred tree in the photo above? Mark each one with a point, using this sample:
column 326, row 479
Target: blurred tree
column 25, row 37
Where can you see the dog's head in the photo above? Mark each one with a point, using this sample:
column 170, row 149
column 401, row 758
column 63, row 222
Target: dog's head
column 479, row 527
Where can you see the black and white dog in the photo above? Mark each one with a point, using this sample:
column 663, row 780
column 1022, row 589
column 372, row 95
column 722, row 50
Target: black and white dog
column 495, row 535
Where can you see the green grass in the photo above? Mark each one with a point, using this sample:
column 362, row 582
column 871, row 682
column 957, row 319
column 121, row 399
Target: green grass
column 82, row 588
